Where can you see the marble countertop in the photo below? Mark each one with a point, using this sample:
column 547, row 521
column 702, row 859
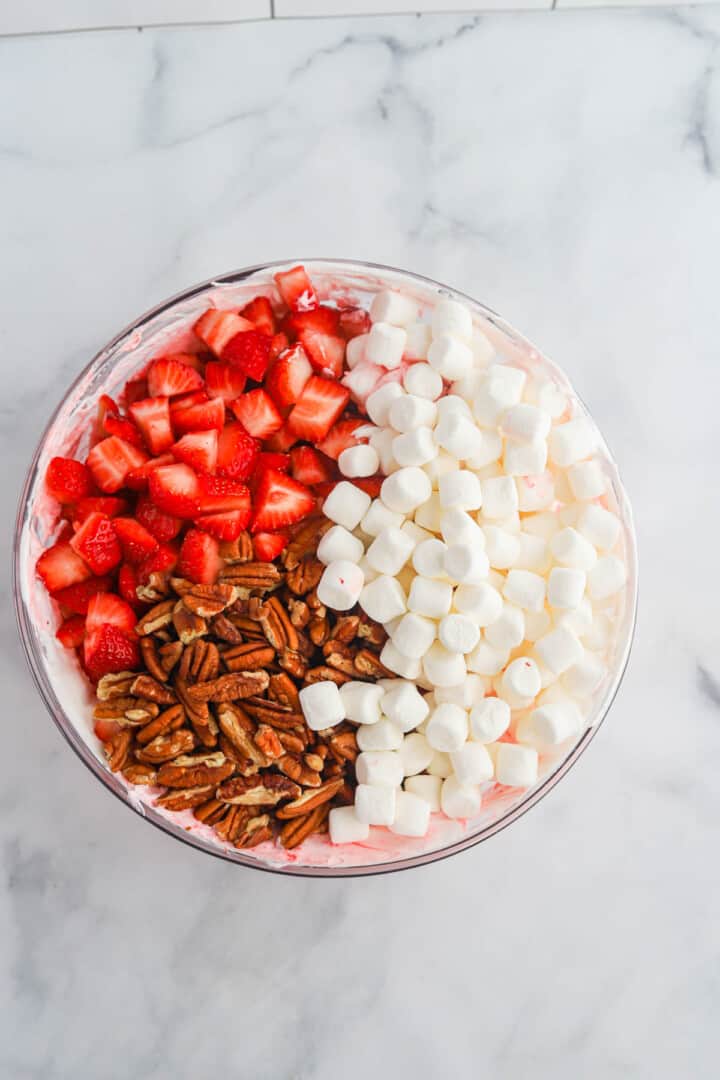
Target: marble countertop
column 566, row 170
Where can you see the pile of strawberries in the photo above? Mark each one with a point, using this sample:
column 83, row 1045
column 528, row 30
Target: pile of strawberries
column 242, row 434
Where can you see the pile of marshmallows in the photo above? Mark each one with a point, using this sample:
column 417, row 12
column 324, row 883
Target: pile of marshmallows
column 503, row 621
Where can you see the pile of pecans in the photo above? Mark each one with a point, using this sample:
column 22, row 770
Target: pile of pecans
column 215, row 720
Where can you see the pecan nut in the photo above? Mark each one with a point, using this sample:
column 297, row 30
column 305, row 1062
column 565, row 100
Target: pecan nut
column 115, row 686
column 248, row 657
column 306, row 802
column 207, row 601
column 146, row 686
column 190, row 770
column 186, row 798
column 257, row 791
column 295, row 830
column 251, row 575
column 166, row 747
column 188, row 625
column 157, row 618
column 230, row 687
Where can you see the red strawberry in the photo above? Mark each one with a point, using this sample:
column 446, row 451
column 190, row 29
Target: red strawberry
column 111, row 460
column 325, row 320
column 282, row 440
column 201, row 417
column 287, row 377
column 127, row 584
column 105, row 729
column 259, row 311
column 162, row 526
column 225, row 526
column 174, row 489
column 135, row 540
column 339, row 438
column 107, row 609
column 250, row 352
column 75, row 598
column 369, row 484
column 135, row 390
column 108, row 650
column 122, row 426
column 72, row 632
column 326, row 352
column 224, row 380
column 61, row 566
column 219, row 495
column 169, row 375
column 101, row 504
column 320, row 404
column 279, row 501
column 278, row 345
column 296, row 289
column 163, row 561
column 216, row 328
column 309, row 467
column 195, row 397
column 267, row 546
column 198, row 449
column 97, row 543
column 152, row 416
column 353, row 322
column 258, row 414
column 137, row 479
column 68, row 480
column 236, row 452
column 199, row 557
column 266, row 460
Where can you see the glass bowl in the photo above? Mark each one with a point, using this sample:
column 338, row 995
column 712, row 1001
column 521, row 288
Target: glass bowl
column 65, row 690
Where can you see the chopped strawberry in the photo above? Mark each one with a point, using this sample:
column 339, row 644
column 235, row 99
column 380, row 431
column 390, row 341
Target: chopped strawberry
column 163, row 561
column 174, row 489
column 258, row 414
column 107, row 609
column 124, row 427
column 170, row 375
column 106, row 407
column 127, row 584
column 198, row 449
column 282, row 440
column 259, row 311
column 278, row 345
column 101, row 504
column 326, row 352
column 236, row 452
column 287, row 377
column 369, row 484
column 267, row 546
column 195, row 397
column 75, row 598
column 97, row 543
column 279, row 501
column 105, row 729
column 162, row 526
column 309, row 467
column 108, row 650
column 225, row 526
column 199, row 557
column 224, row 380
column 250, row 352
column 219, row 495
column 152, row 416
column 72, row 632
column 111, row 460
column 325, row 320
column 201, row 417
column 353, row 322
column 136, row 542
column 196, row 361
column 320, row 404
column 296, row 289
column 266, row 460
column 135, row 390
column 216, row 328
column 137, row 479
column 68, row 480
column 61, row 566
column 340, row 437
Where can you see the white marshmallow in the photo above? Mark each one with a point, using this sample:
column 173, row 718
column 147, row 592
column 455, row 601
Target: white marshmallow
column 544, row 525
column 380, row 768
column 441, row 765
column 415, row 532
column 417, row 344
column 369, row 573
column 468, row 693
column 489, row 719
column 535, row 492
column 566, row 587
column 321, row 705
column 440, row 465
column 379, row 517
column 360, row 460
column 481, row 603
column 460, row 489
column 526, row 423
column 583, row 678
column 338, row 543
column 466, row 564
column 549, row 397
column 502, row 547
column 362, row 380
column 486, row 659
column 346, row 504
column 472, row 763
column 412, row 815
column 537, row 623
column 599, row 634
column 534, row 553
column 458, row 435
column 430, row 597
column 508, row 630
column 428, row 558
column 499, row 497
column 415, row 447
column 606, row 577
column 344, row 824
column 410, row 412
column 451, row 317
column 450, row 357
column 423, row 381
column 587, row 480
column 404, row 666
column 458, row 633
column 379, row 402
column 488, row 449
column 405, row 706
column 516, row 766
column 406, row 489
column 525, row 459
column 443, row 668
column 383, row 599
column 355, row 351
column 385, row 345
column 383, row 735
column 428, row 515
column 453, row 405
column 554, row 723
column 501, row 388
column 578, row 619
column 382, row 441
column 599, row 526
column 427, row 788
column 375, row 805
column 570, row 548
column 390, row 550
column 571, row 442
column 457, row 527
column 558, row 650
column 416, row 753
column 362, row 701
column 483, row 349
column 459, row 800
column 340, row 586
column 393, row 307
column 447, row 728
column 525, row 589
column 414, row 635
column 521, row 679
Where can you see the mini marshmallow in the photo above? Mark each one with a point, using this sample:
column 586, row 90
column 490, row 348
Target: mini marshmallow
column 502, row 547
column 410, row 412
column 415, row 532
column 423, row 381
column 385, row 345
column 416, row 753
column 550, row 398
column 525, row 459
column 359, row 460
column 486, row 659
column 415, row 447
column 443, row 668
column 599, row 633
column 321, row 705
column 343, row 822
column 393, row 307
column 361, row 701
column 501, row 388
column 428, row 515
column 583, row 678
column 470, row 692
column 566, row 587
column 525, row 589
column 537, row 623
column 394, row 660
column 536, row 492
column 554, row 723
column 571, row 442
column 441, row 765
column 578, row 619
column 405, row 490
column 412, row 815
column 440, row 465
column 460, row 489
column 414, row 635
column 450, row 357
column 482, row 348
column 481, row 603
column 381, row 736
column 558, row 650
column 508, row 630
column 606, row 577
column 499, row 497
column 458, row 435
column 389, row 551
column 428, row 558
column 430, row 597
column 379, row 402
column 521, row 679
column 425, row 787
column 570, row 548
column 381, row 768
column 457, row 527
column 489, row 719
column 355, row 351
column 362, row 380
column 472, row 763
column 382, row 441
column 466, row 564
column 340, row 585
column 447, row 728
column 459, row 800
column 489, row 449
column 375, row 805
column 516, row 766
column 338, row 543
column 599, row 526
column 417, row 344
column 451, row 317
column 458, row 633
column 404, row 705
column 534, row 553
column 369, row 573
column 346, row 504
column 587, row 480
column 543, row 525
column 383, row 599
column 377, row 518
column 526, row 423
column 452, row 405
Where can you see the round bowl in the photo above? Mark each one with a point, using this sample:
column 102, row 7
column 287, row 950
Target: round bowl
column 65, row 690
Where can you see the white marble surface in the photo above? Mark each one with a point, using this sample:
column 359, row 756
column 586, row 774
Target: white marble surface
column 566, row 171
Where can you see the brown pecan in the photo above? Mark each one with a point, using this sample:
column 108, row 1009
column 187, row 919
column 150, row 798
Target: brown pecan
column 230, row 687
column 142, row 712
column 208, row 601
column 282, row 689
column 146, row 686
column 346, row 628
column 343, row 746
column 298, row 829
column 200, row 662
column 185, row 799
column 243, row 764
column 292, row 742
column 370, row 631
column 211, row 811
column 273, row 713
column 292, row 662
column 250, row 630
column 169, row 720
column 266, row 790
column 368, row 665
column 225, row 630
column 188, row 626
column 155, row 588
column 113, row 709
column 305, row 541
column 169, row 655
column 192, row 770
column 255, row 832
column 323, row 673
column 237, row 551
column 115, row 686
column 140, row 774
column 319, row 630
column 167, row 747
column 252, row 575
column 233, row 823
column 248, row 657
column 299, row 613
column 276, row 625
column 313, row 601
column 308, row 800
column 339, row 656
column 157, row 618
column 268, row 742
column 305, row 576
column 117, row 749
column 314, row 762
column 199, row 715
column 151, row 658
column 293, row 767
column 238, row 728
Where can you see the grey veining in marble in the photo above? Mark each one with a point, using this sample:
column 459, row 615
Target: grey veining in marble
column 566, row 170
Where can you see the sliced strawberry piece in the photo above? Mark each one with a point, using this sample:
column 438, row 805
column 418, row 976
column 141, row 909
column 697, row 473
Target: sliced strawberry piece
column 258, row 414
column 68, row 480
column 72, row 632
column 107, row 609
column 198, row 449
column 199, row 557
column 122, row 426
column 163, row 561
column 325, row 320
column 259, row 311
column 106, row 407
column 135, row 390
column 97, row 543
column 136, row 542
column 224, row 380
column 226, row 526
column 309, row 467
column 108, row 650
column 105, row 729
column 196, row 397
column 250, row 352
column 326, row 351
column 152, row 416
column 296, row 289
column 320, row 404
column 278, row 344
column 353, row 322
column 340, row 437
column 219, row 495
column 202, row 417
column 287, row 377
column 267, row 546
column 75, row 598
column 266, row 460
column 127, row 584
column 137, row 479
column 162, row 526
column 216, row 328
column 369, row 484
column 282, row 440
column 175, row 489
column 111, row 460
column 279, row 501
column 170, row 375
column 61, row 566
column 236, row 452
column 101, row 504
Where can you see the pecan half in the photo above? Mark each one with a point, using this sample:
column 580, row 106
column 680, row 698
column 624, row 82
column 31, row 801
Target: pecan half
column 224, row 629
column 252, row 575
column 140, row 774
column 142, row 712
column 169, row 720
column 167, row 747
column 340, row 657
column 191, row 770
column 208, row 601
column 255, row 832
column 198, row 713
column 343, row 746
column 346, row 628
column 298, row 829
column 323, row 673
column 188, row 625
column 230, row 687
column 146, row 686
column 117, row 749
column 155, row 588
column 211, row 811
column 293, row 767
column 276, row 625
column 261, row 791
column 185, row 799
column 274, row 714
column 292, row 662
column 237, row 728
column 115, row 686
column 237, row 551
column 319, row 629
column 152, row 658
column 306, row 802
column 114, row 709
column 299, row 613
column 248, row 657
column 305, row 576
column 368, row 665
column 305, row 541
column 157, row 618
column 282, row 689
column 370, row 631
column 169, row 655
column 292, row 742
column 200, row 662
